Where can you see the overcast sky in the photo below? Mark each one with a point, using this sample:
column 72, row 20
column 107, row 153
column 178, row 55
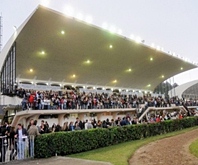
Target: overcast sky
column 171, row 24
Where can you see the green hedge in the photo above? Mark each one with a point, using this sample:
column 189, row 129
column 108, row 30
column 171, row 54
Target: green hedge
column 65, row 143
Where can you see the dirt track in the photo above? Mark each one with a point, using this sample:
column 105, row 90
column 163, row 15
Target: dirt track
column 168, row 151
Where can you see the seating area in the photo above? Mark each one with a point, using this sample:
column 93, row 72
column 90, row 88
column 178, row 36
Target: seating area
column 32, row 99
column 74, row 99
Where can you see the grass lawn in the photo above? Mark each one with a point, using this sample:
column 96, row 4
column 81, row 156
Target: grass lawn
column 120, row 154
column 194, row 148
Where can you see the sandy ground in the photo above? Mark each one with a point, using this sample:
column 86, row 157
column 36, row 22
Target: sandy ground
column 168, row 151
column 58, row 161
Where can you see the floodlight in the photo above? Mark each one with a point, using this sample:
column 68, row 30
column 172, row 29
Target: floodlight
column 69, row 11
column 89, row 19
column 112, row 29
column 44, row 3
column 132, row 36
column 119, row 31
column 104, row 25
column 158, row 48
column 79, row 16
column 138, row 39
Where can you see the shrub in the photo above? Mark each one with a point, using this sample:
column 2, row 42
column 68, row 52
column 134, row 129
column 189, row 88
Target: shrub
column 64, row 143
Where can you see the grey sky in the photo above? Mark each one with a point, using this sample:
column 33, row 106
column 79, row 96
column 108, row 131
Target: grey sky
column 171, row 24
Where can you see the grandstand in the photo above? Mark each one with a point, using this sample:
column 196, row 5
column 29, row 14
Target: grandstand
column 51, row 51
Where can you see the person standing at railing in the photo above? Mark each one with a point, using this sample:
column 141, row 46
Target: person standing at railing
column 3, row 143
column 32, row 132
column 13, row 145
column 21, row 135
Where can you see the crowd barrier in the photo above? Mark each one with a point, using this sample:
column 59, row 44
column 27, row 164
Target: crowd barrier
column 16, row 149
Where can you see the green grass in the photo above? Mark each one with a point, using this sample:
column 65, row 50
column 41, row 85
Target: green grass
column 120, row 154
column 194, row 148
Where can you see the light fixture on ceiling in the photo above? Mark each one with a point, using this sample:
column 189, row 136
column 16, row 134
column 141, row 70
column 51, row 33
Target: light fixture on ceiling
column 115, row 81
column 42, row 52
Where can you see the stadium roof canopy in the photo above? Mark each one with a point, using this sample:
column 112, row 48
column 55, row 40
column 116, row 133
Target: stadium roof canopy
column 50, row 45
column 187, row 90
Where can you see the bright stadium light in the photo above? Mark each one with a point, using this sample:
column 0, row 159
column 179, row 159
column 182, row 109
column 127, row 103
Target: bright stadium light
column 119, row 31
column 89, row 19
column 132, row 37
column 112, row 29
column 149, row 85
column 138, row 39
column 79, row 16
column 62, row 32
column 110, row 46
column 44, row 3
column 105, row 25
column 69, row 11
column 42, row 52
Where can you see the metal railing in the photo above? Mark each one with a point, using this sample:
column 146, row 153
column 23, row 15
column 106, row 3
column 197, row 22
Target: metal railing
column 16, row 149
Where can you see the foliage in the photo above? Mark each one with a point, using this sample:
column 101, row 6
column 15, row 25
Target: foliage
column 120, row 154
column 65, row 143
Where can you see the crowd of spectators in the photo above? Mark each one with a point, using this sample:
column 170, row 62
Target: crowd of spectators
column 32, row 99
column 84, row 125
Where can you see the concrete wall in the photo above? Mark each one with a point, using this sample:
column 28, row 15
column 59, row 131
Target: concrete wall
column 6, row 100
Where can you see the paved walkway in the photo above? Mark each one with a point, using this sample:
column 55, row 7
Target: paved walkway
column 58, row 161
column 168, row 151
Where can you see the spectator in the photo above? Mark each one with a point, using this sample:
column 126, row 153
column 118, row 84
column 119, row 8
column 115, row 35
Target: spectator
column 32, row 132
column 21, row 135
column 43, row 127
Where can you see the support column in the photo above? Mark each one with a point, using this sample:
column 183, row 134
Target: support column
column 61, row 119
